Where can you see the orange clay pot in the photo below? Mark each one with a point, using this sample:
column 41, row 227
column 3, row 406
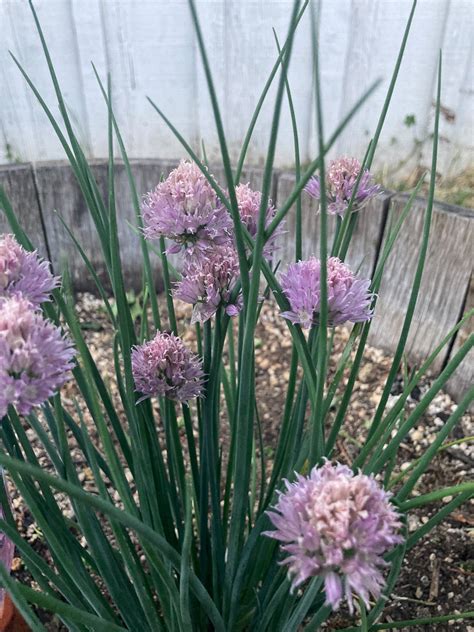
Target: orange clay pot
column 10, row 619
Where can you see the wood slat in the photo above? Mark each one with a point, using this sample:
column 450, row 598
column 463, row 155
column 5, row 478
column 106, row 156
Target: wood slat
column 443, row 287
column 58, row 190
column 444, row 291
column 464, row 376
column 18, row 183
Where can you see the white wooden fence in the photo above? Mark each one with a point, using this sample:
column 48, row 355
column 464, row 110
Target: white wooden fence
column 150, row 49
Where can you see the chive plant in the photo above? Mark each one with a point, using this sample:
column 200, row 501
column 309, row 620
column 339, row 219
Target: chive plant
column 198, row 537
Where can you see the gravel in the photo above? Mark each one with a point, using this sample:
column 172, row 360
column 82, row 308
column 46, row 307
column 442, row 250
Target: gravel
column 436, row 577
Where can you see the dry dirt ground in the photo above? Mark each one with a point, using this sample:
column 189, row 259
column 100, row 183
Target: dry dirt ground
column 437, row 574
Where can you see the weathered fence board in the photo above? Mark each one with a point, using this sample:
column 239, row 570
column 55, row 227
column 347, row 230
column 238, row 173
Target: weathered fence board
column 37, row 192
column 59, row 191
column 464, row 376
column 19, row 185
column 443, row 287
column 149, row 48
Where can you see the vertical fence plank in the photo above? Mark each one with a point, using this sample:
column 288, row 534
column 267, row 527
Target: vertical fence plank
column 91, row 49
column 335, row 33
column 376, row 34
column 447, row 271
column 464, row 376
column 18, row 183
column 59, row 191
column 455, row 127
column 251, row 52
column 213, row 22
column 150, row 52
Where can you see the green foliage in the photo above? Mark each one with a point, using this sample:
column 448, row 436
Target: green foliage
column 177, row 545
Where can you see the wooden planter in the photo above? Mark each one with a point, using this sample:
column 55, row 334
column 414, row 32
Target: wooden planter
column 10, row 619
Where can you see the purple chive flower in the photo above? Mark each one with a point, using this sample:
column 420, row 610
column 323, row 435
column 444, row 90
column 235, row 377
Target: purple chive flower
column 249, row 205
column 166, row 368
column 208, row 285
column 186, row 209
column 349, row 298
column 35, row 357
column 336, row 525
column 23, row 272
column 340, row 181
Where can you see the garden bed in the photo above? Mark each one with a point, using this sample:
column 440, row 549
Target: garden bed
column 437, row 574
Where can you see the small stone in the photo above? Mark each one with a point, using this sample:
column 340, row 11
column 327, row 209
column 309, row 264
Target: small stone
column 413, row 523
column 17, row 564
column 88, row 473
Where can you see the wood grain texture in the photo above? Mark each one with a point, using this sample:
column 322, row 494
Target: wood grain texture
column 363, row 250
column 19, row 185
column 464, row 376
column 443, row 288
column 457, row 99
column 59, row 191
column 149, row 47
column 444, row 291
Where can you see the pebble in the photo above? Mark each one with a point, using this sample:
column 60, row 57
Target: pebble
column 273, row 345
column 17, row 564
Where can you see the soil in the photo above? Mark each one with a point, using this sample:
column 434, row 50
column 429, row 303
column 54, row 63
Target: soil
column 437, row 574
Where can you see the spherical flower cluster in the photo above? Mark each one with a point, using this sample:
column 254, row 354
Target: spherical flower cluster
column 35, row 358
column 349, row 298
column 340, row 181
column 166, row 368
column 336, row 525
column 249, row 206
column 208, row 285
column 185, row 209
column 24, row 273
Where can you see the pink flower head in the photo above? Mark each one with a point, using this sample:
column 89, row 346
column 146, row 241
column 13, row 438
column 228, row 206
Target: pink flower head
column 35, row 358
column 336, row 525
column 186, row 209
column 23, row 272
column 340, row 181
column 166, row 368
column 249, row 205
column 349, row 298
column 208, row 285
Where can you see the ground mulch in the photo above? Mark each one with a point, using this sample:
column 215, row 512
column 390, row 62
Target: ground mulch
column 437, row 575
